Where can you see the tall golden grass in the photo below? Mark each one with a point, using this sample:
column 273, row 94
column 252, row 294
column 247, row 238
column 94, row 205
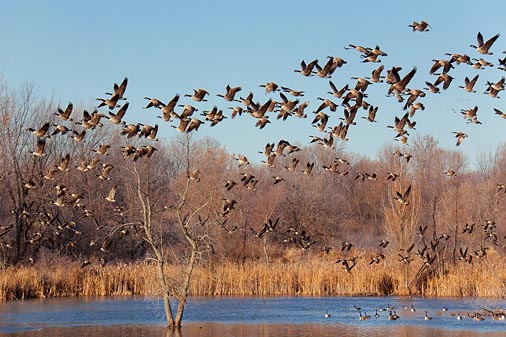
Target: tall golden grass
column 314, row 276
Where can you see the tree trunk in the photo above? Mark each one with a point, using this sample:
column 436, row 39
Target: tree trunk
column 186, row 284
column 166, row 297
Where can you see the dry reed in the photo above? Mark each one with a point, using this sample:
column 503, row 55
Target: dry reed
column 315, row 276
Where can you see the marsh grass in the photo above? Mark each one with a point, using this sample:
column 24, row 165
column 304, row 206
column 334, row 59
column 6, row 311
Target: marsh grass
column 315, row 276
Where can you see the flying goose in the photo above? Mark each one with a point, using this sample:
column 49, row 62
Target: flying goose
column 337, row 92
column 106, row 169
column 460, row 136
column 459, row 58
column 153, row 102
column 64, row 164
column 371, row 57
column 262, row 122
column 168, row 109
column 500, row 113
column 39, row 150
column 326, row 103
column 299, row 111
column 445, row 79
column 102, row 149
column 399, row 123
column 198, row 95
column 469, row 84
column 306, row 70
column 252, row 184
column 116, row 118
column 246, row 178
column 345, row 264
column 345, row 245
column 229, row 184
column 78, row 136
column 111, row 103
column 392, row 176
column 469, row 113
column 362, row 83
column 482, row 47
column 183, row 124
column 421, row 26
column 376, row 75
column 340, row 131
column 337, row 62
column 278, row 179
column 91, row 121
column 230, row 94
column 236, row 111
column 248, row 100
column 432, row 88
column 270, row 160
column 65, row 115
column 119, row 90
column 258, row 111
column 446, row 64
column 194, row 125
column 228, row 205
column 400, row 86
column 241, row 160
column 270, row 87
column 40, row 132
column 60, row 129
column 308, row 169
column 327, row 70
column 110, row 196
column 361, row 49
column 93, row 163
column 384, row 243
column 293, row 92
column 498, row 86
column 403, row 198
column 131, row 130
column 293, row 165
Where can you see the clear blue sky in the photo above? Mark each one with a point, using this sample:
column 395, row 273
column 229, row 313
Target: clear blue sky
column 75, row 51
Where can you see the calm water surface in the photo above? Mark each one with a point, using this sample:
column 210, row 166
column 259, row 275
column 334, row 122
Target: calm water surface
column 233, row 316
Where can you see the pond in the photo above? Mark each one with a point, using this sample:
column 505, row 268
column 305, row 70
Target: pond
column 247, row 316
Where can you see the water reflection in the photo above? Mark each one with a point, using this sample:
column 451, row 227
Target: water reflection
column 246, row 316
column 244, row 330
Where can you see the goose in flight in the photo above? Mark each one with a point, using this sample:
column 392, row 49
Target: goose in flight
column 460, row 136
column 40, row 132
column 483, row 47
column 110, row 196
column 198, row 96
column 39, row 150
column 421, row 26
column 403, row 198
column 306, row 69
column 153, row 102
column 230, row 94
column 116, row 118
column 469, row 84
column 65, row 115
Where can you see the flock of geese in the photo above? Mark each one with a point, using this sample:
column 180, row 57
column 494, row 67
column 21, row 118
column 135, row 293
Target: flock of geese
column 392, row 313
column 352, row 98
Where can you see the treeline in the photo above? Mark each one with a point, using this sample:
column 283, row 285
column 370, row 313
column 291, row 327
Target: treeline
column 75, row 203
